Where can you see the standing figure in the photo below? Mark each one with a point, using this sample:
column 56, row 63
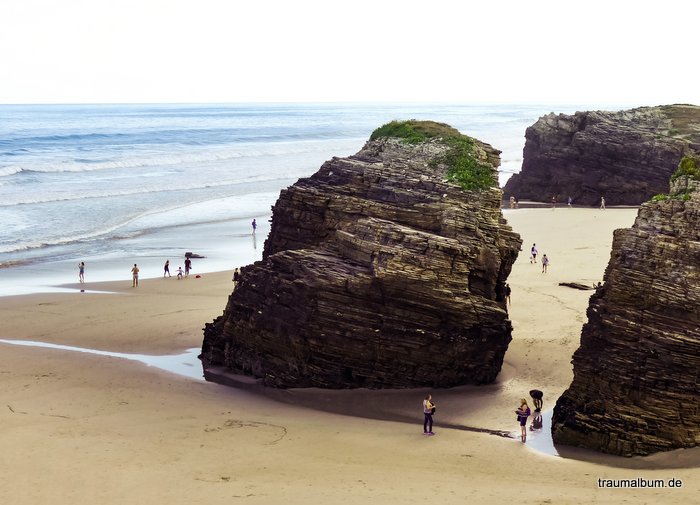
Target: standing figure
column 428, row 411
column 166, row 268
column 134, row 276
column 254, row 225
column 568, row 201
column 602, row 203
column 81, row 271
column 507, row 293
column 512, row 202
column 236, row 278
column 536, row 396
column 554, row 202
column 188, row 266
column 545, row 262
column 533, row 254
column 523, row 413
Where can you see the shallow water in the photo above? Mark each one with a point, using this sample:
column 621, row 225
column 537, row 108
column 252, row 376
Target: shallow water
column 186, row 364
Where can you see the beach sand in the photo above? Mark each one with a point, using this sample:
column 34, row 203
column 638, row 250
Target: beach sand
column 80, row 427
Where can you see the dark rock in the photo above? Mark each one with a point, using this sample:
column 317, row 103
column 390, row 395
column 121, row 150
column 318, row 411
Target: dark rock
column 626, row 156
column 576, row 285
column 377, row 273
column 635, row 386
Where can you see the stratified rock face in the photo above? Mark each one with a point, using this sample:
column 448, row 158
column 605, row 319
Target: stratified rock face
column 635, row 387
column 376, row 273
column 626, row 157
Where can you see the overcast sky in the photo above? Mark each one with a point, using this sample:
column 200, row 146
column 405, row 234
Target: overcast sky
column 83, row 51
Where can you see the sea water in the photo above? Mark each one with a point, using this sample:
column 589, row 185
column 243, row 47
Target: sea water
column 114, row 185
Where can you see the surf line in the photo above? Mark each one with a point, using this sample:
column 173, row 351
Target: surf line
column 186, row 364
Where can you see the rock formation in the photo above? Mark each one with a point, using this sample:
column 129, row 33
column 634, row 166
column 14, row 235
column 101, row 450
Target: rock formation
column 625, row 156
column 635, row 386
column 378, row 272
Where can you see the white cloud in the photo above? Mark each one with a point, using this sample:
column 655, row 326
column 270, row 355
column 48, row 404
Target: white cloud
column 380, row 50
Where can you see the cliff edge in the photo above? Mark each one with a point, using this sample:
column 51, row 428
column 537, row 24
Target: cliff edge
column 635, row 386
column 383, row 269
column 625, row 156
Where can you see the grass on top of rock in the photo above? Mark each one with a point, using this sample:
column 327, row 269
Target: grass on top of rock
column 688, row 167
column 462, row 166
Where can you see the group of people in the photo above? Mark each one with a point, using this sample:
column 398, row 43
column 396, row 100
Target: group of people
column 523, row 413
column 180, row 272
column 569, row 201
column 533, row 258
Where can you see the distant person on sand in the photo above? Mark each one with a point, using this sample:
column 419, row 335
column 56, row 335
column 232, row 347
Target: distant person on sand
column 554, row 202
column 523, row 413
column 512, row 202
column 428, row 411
column 166, row 268
column 537, row 396
column 236, row 278
column 533, row 254
column 188, row 266
column 179, row 273
column 545, row 263
column 134, row 276
column 516, row 203
column 254, row 225
column 81, row 271
column 602, row 203
column 507, row 293
column 568, row 201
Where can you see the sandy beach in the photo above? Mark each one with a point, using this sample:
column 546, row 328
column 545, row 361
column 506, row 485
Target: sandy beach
column 80, row 427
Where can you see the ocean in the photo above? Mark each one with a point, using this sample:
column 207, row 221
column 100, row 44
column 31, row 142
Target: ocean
column 114, row 185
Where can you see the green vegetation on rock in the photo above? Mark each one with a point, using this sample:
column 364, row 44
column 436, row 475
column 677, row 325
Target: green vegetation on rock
column 462, row 166
column 688, row 167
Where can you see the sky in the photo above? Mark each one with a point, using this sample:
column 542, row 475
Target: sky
column 230, row 51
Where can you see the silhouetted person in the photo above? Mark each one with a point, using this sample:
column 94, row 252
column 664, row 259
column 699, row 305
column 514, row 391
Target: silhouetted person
column 166, row 268
column 254, row 225
column 236, row 278
column 536, row 423
column 537, row 396
column 188, row 266
column 507, row 293
column 134, row 276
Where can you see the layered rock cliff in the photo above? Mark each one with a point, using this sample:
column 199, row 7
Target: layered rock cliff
column 626, row 156
column 379, row 271
column 635, row 386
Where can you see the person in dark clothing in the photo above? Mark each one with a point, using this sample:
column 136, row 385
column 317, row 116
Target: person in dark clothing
column 507, row 293
column 188, row 265
column 536, row 396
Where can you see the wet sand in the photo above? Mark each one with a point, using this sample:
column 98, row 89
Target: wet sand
column 80, row 426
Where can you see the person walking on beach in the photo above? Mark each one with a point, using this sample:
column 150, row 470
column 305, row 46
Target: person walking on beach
column 568, row 201
column 236, row 278
column 134, row 276
column 533, row 254
column 179, row 273
column 81, row 271
column 188, row 266
column 428, row 411
column 166, row 268
column 545, row 262
column 602, row 203
column 507, row 293
column 523, row 413
column 537, row 396
column 554, row 202
column 254, row 225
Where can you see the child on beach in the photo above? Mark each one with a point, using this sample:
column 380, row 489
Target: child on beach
column 81, row 271
column 523, row 413
column 545, row 263
column 179, row 273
